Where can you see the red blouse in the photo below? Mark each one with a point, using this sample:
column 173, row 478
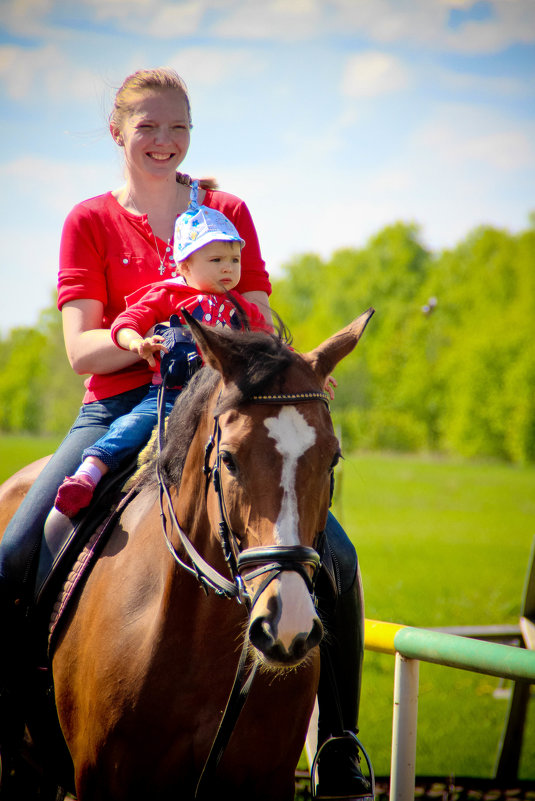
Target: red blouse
column 107, row 253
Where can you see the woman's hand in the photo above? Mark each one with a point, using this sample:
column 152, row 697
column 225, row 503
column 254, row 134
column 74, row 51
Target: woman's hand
column 330, row 384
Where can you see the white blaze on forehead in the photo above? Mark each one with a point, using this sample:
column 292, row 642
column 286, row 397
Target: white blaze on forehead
column 293, row 437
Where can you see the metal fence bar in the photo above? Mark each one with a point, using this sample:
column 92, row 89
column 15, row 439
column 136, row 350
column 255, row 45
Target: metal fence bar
column 490, row 658
column 451, row 650
column 404, row 728
column 411, row 645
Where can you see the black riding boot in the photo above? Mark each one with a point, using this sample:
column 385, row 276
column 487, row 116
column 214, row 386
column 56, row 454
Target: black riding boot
column 341, row 607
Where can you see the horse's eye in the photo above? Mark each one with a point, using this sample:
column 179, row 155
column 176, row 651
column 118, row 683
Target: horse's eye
column 228, row 460
column 336, row 459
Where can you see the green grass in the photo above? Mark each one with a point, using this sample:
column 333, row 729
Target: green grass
column 440, row 543
column 17, row 451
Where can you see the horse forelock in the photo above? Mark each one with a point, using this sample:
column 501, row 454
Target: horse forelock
column 261, row 362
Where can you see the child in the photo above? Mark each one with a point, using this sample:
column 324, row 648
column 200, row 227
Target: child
column 207, row 250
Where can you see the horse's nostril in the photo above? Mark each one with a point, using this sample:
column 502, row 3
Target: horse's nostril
column 316, row 635
column 303, row 643
column 299, row 647
column 261, row 634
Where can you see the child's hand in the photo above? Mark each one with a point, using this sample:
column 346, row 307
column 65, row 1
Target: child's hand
column 147, row 347
column 329, row 386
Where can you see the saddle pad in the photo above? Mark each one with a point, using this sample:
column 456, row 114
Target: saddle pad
column 82, row 565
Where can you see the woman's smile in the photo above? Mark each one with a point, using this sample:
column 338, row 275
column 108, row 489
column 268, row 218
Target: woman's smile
column 157, row 132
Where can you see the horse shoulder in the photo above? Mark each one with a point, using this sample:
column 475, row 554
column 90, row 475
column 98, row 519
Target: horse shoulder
column 14, row 488
column 113, row 629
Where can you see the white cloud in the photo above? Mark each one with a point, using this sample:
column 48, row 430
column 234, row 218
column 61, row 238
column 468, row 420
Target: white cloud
column 512, row 22
column 45, row 71
column 278, row 20
column 37, row 194
column 161, row 20
column 490, row 85
column 212, row 66
column 460, row 135
column 422, row 22
column 27, row 17
column 373, row 73
column 56, row 183
column 425, row 22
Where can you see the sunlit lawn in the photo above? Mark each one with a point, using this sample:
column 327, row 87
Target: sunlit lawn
column 15, row 452
column 440, row 543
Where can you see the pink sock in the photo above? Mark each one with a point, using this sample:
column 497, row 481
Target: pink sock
column 91, row 471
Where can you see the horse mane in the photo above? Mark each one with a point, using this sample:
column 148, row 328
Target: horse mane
column 262, row 358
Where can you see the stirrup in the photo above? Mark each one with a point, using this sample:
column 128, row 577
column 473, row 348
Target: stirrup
column 360, row 747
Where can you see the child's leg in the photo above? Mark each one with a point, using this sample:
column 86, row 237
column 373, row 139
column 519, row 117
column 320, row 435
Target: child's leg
column 77, row 490
column 124, row 438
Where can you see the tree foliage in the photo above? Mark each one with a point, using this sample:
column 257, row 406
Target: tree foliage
column 456, row 377
column 39, row 392
column 448, row 360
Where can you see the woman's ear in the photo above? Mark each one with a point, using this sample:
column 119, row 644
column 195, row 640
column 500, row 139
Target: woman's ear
column 117, row 135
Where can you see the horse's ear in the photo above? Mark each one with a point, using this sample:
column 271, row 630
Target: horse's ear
column 326, row 356
column 213, row 346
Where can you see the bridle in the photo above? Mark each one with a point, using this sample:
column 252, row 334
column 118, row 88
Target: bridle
column 244, row 565
column 268, row 560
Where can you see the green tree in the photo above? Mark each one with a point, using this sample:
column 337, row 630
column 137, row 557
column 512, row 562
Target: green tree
column 39, row 392
column 456, row 375
column 22, row 369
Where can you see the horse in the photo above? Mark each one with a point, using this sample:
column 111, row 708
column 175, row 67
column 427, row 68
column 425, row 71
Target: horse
column 209, row 567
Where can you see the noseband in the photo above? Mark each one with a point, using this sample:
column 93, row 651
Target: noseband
column 269, row 560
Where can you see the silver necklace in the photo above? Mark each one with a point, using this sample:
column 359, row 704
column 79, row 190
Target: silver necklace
column 163, row 266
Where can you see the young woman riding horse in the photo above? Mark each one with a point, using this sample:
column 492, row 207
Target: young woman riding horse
column 111, row 246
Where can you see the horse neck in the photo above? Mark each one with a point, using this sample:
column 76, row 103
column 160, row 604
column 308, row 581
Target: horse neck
column 191, row 506
column 182, row 589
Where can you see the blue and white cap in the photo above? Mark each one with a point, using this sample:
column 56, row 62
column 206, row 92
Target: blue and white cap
column 200, row 225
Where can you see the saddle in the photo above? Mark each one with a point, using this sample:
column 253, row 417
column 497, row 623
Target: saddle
column 79, row 539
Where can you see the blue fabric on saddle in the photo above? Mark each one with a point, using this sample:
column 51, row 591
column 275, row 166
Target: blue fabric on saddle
column 183, row 359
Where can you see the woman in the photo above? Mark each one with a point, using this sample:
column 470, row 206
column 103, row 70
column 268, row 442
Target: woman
column 111, row 246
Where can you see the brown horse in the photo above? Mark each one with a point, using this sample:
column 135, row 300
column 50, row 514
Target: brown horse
column 146, row 658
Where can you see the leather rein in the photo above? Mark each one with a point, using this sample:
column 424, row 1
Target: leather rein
column 269, row 561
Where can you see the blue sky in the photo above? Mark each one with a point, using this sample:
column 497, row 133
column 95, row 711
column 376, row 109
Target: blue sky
column 331, row 118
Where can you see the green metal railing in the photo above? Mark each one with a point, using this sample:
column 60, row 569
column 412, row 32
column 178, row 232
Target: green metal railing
column 412, row 645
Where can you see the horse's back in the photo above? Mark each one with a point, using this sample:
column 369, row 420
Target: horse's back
column 14, row 488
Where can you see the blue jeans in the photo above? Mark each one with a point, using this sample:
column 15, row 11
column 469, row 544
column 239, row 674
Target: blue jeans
column 22, row 538
column 130, row 432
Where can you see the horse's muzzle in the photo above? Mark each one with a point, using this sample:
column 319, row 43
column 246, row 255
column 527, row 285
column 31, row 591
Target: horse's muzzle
column 264, row 637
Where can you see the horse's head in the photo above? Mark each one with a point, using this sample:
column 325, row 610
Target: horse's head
column 271, row 459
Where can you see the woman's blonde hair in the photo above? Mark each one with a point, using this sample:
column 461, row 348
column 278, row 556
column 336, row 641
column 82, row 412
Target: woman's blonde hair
column 143, row 80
